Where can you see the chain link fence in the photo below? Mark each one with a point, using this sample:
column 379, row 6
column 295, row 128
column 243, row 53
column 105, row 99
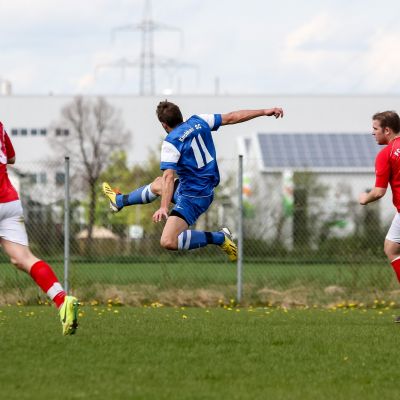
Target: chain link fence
column 306, row 241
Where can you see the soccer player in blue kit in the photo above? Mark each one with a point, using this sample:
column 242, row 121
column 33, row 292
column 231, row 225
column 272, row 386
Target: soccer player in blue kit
column 189, row 151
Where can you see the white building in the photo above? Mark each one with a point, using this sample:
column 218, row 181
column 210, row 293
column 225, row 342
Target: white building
column 334, row 169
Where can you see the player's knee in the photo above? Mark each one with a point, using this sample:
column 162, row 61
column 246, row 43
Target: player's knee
column 18, row 262
column 156, row 186
column 390, row 254
column 169, row 243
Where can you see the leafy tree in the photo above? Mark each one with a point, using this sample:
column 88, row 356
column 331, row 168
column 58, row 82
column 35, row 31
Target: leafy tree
column 95, row 131
column 308, row 193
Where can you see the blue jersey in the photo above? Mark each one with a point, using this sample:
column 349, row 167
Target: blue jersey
column 189, row 150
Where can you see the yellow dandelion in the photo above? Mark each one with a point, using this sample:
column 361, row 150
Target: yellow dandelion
column 184, row 316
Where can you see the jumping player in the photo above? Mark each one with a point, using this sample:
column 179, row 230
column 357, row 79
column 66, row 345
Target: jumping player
column 189, row 151
column 386, row 129
column 14, row 241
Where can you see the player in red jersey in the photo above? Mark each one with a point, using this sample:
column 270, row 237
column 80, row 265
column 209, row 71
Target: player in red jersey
column 386, row 129
column 14, row 240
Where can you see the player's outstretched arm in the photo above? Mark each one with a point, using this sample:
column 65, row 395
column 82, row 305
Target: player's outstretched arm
column 236, row 117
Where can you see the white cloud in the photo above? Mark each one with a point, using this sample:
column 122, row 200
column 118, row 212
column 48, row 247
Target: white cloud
column 382, row 62
column 318, row 29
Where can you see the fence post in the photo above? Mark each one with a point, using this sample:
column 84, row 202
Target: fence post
column 66, row 226
column 240, row 232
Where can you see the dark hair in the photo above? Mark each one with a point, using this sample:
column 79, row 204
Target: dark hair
column 169, row 113
column 388, row 119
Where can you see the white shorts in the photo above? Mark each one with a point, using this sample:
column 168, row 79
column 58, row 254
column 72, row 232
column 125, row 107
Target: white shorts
column 12, row 225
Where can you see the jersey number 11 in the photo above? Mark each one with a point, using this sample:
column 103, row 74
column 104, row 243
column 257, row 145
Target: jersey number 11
column 200, row 159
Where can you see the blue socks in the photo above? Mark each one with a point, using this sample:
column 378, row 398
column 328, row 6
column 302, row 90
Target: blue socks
column 188, row 240
column 141, row 195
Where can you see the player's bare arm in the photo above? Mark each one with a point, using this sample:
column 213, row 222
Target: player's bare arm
column 236, row 117
column 166, row 195
column 368, row 197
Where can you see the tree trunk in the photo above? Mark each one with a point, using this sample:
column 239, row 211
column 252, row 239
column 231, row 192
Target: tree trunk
column 92, row 213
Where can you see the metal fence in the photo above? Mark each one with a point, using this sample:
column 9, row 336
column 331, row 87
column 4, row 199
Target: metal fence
column 303, row 240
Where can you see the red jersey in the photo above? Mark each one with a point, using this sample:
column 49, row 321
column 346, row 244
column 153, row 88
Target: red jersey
column 387, row 169
column 7, row 191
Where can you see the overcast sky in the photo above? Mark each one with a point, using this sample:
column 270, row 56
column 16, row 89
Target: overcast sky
column 250, row 47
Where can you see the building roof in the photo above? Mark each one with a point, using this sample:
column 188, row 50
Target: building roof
column 317, row 151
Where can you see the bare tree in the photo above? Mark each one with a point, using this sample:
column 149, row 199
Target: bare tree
column 95, row 132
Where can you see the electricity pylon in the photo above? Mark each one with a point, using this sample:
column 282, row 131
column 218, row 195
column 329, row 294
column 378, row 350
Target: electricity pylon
column 147, row 61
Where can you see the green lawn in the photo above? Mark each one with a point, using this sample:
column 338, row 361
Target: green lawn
column 192, row 353
column 198, row 274
column 206, row 282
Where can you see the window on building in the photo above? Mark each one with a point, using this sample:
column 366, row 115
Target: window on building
column 33, row 132
column 43, row 177
column 62, row 132
column 60, row 178
column 14, row 132
column 43, row 132
column 33, row 178
column 24, row 132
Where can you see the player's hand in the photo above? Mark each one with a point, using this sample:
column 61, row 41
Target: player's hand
column 362, row 198
column 160, row 214
column 274, row 112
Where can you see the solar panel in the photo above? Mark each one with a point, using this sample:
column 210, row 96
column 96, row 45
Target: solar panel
column 317, row 150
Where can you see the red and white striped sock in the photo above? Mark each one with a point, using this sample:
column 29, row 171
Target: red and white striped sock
column 396, row 266
column 44, row 276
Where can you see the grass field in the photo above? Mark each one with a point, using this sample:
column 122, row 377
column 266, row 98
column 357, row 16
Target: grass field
column 205, row 283
column 192, row 353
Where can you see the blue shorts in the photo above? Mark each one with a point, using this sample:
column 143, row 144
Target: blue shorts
column 190, row 208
